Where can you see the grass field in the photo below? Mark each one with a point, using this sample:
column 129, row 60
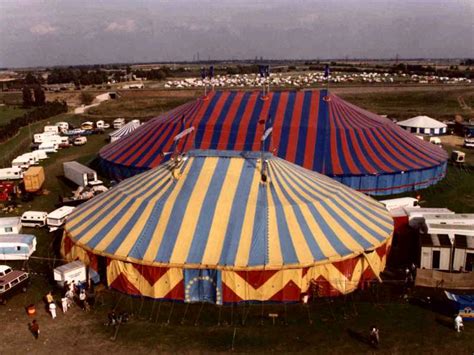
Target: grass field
column 439, row 104
column 7, row 113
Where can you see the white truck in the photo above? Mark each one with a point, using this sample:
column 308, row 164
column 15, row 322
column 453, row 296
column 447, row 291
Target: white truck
column 80, row 174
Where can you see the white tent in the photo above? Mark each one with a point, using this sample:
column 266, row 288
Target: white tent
column 125, row 130
column 423, row 125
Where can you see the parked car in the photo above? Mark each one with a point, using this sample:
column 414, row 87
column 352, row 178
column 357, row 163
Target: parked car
column 80, row 140
column 11, row 281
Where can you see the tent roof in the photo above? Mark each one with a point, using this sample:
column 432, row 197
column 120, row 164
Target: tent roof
column 318, row 131
column 219, row 214
column 422, row 122
column 126, row 129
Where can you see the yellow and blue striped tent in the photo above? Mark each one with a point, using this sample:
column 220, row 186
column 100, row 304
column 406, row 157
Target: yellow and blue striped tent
column 235, row 221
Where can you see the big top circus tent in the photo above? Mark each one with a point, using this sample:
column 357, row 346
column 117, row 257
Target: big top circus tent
column 228, row 226
column 313, row 129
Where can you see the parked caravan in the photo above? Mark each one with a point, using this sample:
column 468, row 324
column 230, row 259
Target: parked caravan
column 403, row 202
column 458, row 157
column 13, row 173
column 435, row 140
column 452, row 218
column 51, row 129
column 80, row 174
column 21, row 162
column 463, row 253
column 416, row 215
column 33, row 160
column 43, row 137
column 57, row 218
column 75, row 271
column 63, row 126
column 39, row 154
column 10, row 225
column 34, row 219
column 17, row 246
column 435, row 252
column 48, row 147
column 118, row 123
column 102, row 125
column 33, row 178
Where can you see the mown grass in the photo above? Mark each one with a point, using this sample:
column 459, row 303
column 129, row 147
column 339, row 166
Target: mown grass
column 440, row 103
column 8, row 113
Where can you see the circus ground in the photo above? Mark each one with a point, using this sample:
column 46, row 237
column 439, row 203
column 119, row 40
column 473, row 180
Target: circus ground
column 339, row 326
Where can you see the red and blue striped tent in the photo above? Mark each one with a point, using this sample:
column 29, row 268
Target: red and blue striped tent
column 313, row 129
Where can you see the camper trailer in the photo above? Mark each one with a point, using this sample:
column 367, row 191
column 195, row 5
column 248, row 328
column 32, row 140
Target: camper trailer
column 450, row 218
column 38, row 154
column 75, row 271
column 43, row 137
column 403, row 202
column 21, row 162
column 13, row 173
column 63, row 126
column 49, row 147
column 17, row 246
column 33, row 160
column 417, row 215
column 34, row 219
column 51, row 129
column 57, row 218
column 118, row 123
column 80, row 174
column 463, row 252
column 435, row 252
column 102, row 125
column 10, row 225
column 435, row 141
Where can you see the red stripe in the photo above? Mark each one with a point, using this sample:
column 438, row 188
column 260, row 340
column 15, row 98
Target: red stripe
column 227, row 124
column 260, row 127
column 244, row 123
column 334, row 161
column 311, row 132
column 279, row 118
column 295, row 127
column 211, row 122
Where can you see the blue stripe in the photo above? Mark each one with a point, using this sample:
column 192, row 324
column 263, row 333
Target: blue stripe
column 234, row 130
column 237, row 215
column 303, row 129
column 217, row 129
column 177, row 214
column 253, row 123
column 322, row 132
column 207, row 212
column 307, row 233
column 286, row 124
column 201, row 126
column 259, row 249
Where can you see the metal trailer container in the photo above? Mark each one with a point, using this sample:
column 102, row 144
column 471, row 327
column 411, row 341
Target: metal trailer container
column 33, row 178
column 80, row 174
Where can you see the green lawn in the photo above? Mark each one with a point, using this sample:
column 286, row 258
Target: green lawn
column 438, row 103
column 7, row 113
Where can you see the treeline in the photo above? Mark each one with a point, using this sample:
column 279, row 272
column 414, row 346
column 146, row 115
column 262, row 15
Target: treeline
column 77, row 76
column 49, row 109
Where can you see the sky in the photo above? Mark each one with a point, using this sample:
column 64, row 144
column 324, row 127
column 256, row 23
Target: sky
column 71, row 32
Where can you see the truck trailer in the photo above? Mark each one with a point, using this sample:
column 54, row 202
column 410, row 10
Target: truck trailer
column 80, row 174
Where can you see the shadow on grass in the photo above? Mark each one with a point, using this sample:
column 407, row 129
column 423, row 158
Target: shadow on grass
column 445, row 322
column 358, row 336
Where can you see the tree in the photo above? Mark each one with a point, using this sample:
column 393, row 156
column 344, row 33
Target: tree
column 27, row 97
column 40, row 97
column 30, row 79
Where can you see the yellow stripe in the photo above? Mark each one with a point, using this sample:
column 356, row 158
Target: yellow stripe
column 119, row 194
column 160, row 228
column 191, row 215
column 275, row 256
column 243, row 251
column 221, row 221
column 300, row 245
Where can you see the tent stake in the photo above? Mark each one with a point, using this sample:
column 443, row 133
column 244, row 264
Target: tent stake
column 185, row 312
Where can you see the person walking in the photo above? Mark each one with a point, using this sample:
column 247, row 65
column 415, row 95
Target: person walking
column 34, row 328
column 64, row 304
column 52, row 309
column 82, row 299
column 374, row 336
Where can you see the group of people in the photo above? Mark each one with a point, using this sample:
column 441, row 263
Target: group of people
column 71, row 292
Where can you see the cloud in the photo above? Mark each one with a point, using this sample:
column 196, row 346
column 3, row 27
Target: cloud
column 43, row 29
column 121, row 26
